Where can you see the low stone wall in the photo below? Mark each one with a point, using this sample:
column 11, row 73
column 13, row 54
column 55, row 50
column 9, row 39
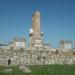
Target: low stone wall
column 50, row 57
column 35, row 57
column 16, row 57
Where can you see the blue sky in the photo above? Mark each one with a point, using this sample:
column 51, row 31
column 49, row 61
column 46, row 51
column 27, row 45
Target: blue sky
column 57, row 19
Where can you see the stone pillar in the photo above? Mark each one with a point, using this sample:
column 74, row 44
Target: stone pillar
column 36, row 34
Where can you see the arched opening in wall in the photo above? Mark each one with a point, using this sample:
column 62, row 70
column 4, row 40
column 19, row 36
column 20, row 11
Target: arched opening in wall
column 9, row 62
column 44, row 60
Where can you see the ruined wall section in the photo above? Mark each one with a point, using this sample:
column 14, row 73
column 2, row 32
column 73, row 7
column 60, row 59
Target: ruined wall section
column 17, row 57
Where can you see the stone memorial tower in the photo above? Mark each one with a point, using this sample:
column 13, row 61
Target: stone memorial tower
column 35, row 31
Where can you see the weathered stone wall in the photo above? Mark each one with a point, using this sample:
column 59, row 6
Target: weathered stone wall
column 50, row 57
column 17, row 57
column 36, row 57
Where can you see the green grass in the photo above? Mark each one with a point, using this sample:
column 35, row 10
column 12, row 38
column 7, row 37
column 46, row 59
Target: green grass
column 44, row 70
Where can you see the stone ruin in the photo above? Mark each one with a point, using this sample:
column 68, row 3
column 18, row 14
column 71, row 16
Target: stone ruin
column 38, row 53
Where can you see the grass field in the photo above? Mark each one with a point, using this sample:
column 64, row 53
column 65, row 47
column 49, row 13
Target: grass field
column 44, row 70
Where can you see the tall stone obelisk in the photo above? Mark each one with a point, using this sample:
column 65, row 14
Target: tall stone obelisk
column 35, row 32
